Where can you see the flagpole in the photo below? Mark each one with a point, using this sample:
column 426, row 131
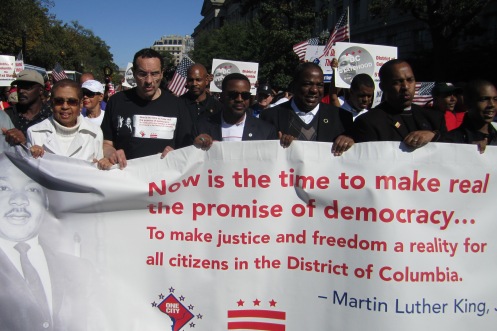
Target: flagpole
column 348, row 20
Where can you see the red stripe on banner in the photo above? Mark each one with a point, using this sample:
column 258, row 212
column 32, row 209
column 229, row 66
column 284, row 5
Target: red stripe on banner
column 280, row 315
column 255, row 326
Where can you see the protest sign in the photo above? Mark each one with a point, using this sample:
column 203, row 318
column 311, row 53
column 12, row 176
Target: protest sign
column 355, row 59
column 252, row 236
column 19, row 65
column 352, row 59
column 129, row 79
column 314, row 53
column 222, row 68
column 7, row 69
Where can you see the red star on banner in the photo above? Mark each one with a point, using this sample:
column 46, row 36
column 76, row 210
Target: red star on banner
column 256, row 302
column 240, row 303
column 272, row 303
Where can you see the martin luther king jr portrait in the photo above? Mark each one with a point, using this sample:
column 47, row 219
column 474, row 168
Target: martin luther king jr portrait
column 40, row 288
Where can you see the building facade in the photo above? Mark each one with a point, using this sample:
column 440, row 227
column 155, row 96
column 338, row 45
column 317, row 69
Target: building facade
column 411, row 36
column 178, row 46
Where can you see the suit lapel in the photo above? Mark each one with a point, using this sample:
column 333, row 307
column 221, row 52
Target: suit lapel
column 76, row 145
column 284, row 117
column 52, row 145
column 325, row 125
column 395, row 120
column 57, row 279
column 9, row 274
column 250, row 129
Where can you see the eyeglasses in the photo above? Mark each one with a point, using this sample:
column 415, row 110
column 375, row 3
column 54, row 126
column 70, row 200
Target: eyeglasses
column 90, row 94
column 143, row 74
column 60, row 102
column 234, row 95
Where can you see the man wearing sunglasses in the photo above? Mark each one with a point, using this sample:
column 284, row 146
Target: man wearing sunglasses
column 305, row 117
column 93, row 94
column 30, row 109
column 160, row 122
column 233, row 123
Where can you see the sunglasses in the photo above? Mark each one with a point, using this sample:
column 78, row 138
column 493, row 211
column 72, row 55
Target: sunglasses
column 90, row 94
column 234, row 95
column 71, row 102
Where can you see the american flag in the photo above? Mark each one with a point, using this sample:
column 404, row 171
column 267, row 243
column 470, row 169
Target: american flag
column 177, row 84
column 422, row 95
column 256, row 319
column 301, row 47
column 340, row 33
column 58, row 73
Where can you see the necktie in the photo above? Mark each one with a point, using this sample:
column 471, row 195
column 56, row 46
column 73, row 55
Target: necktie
column 33, row 279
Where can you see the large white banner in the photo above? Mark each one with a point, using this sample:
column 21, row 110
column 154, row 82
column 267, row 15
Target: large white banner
column 251, row 236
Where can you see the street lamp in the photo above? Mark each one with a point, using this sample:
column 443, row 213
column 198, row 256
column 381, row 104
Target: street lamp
column 107, row 73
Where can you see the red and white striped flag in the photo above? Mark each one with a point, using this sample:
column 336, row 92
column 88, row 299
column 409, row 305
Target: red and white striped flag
column 58, row 73
column 177, row 84
column 301, row 47
column 422, row 95
column 340, row 33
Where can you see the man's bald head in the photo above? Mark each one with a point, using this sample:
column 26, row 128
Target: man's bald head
column 197, row 67
column 197, row 79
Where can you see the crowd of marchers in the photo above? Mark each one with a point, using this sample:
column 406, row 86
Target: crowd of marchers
column 76, row 121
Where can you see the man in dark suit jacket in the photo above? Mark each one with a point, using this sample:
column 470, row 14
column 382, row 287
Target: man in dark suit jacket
column 397, row 118
column 39, row 289
column 305, row 118
column 233, row 123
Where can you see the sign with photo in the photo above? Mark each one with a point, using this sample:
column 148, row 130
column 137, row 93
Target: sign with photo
column 356, row 59
column 222, row 68
column 129, row 79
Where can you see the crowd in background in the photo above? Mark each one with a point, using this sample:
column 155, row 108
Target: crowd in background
column 81, row 119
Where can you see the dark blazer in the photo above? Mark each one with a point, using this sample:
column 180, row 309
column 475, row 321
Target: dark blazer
column 332, row 122
column 384, row 123
column 255, row 129
column 70, row 278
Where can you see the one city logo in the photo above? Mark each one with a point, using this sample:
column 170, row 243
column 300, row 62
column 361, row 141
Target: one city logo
column 174, row 308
